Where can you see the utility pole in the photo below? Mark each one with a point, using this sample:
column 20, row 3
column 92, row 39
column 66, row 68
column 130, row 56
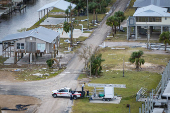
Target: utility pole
column 71, row 37
column 71, row 33
column 123, row 66
column 87, row 15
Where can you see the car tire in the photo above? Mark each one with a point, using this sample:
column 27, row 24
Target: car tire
column 74, row 97
column 55, row 95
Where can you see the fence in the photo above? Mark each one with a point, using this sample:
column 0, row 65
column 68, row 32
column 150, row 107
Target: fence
column 165, row 77
column 141, row 93
column 148, row 106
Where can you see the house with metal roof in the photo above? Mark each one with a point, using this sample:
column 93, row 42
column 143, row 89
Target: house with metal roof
column 60, row 4
column 160, row 3
column 37, row 41
column 148, row 21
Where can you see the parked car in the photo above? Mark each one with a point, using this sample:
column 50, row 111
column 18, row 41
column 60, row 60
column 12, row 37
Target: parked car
column 67, row 92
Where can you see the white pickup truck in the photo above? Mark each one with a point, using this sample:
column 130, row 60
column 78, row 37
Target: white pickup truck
column 67, row 92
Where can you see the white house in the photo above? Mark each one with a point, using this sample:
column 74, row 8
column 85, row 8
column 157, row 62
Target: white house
column 146, row 19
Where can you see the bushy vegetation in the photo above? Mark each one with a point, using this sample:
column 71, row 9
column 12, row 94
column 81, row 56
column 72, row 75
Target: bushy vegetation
column 136, row 58
column 165, row 38
column 50, row 62
column 96, row 61
column 94, row 5
column 2, row 59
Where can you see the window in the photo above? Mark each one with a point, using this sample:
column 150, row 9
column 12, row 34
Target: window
column 165, row 18
column 65, row 90
column 149, row 19
column 20, row 45
column 158, row 19
column 62, row 90
column 41, row 47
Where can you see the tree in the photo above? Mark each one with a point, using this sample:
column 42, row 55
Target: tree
column 136, row 58
column 112, row 21
column 22, row 30
column 80, row 4
column 93, row 6
column 50, row 62
column 85, row 54
column 165, row 37
column 97, row 11
column 96, row 61
column 67, row 12
column 120, row 16
column 66, row 27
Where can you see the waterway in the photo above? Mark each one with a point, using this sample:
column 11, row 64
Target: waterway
column 10, row 24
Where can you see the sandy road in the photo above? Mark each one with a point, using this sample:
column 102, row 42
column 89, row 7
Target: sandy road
column 42, row 89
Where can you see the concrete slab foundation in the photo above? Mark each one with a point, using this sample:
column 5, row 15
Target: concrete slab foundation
column 54, row 21
column 158, row 110
column 115, row 101
column 167, row 90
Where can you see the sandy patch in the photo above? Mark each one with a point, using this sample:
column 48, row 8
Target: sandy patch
column 7, row 76
column 147, row 67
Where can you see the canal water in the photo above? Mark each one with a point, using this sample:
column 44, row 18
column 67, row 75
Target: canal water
column 10, row 24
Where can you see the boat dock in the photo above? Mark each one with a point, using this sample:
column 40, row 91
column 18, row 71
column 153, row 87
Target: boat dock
column 10, row 10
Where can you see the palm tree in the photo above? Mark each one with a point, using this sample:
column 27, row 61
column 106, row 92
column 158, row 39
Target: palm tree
column 165, row 37
column 96, row 64
column 93, row 6
column 136, row 58
column 112, row 21
column 120, row 16
column 67, row 12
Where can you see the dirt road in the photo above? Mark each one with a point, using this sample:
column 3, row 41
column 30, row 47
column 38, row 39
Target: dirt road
column 42, row 89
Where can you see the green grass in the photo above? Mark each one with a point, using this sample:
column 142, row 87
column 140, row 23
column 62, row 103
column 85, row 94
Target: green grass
column 87, row 31
column 81, row 76
column 56, row 10
column 111, row 3
column 130, row 10
column 26, row 75
column 2, row 59
column 134, row 80
column 114, row 58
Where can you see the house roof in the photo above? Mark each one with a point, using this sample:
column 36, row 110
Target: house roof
column 152, row 11
column 161, row 3
column 41, row 33
column 60, row 4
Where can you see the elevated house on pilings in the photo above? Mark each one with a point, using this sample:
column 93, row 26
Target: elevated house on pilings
column 148, row 23
column 34, row 42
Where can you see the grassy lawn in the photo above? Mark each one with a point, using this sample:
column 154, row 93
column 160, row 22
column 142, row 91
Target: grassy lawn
column 115, row 57
column 130, row 10
column 133, row 79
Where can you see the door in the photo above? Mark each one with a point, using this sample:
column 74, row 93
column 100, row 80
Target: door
column 41, row 47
